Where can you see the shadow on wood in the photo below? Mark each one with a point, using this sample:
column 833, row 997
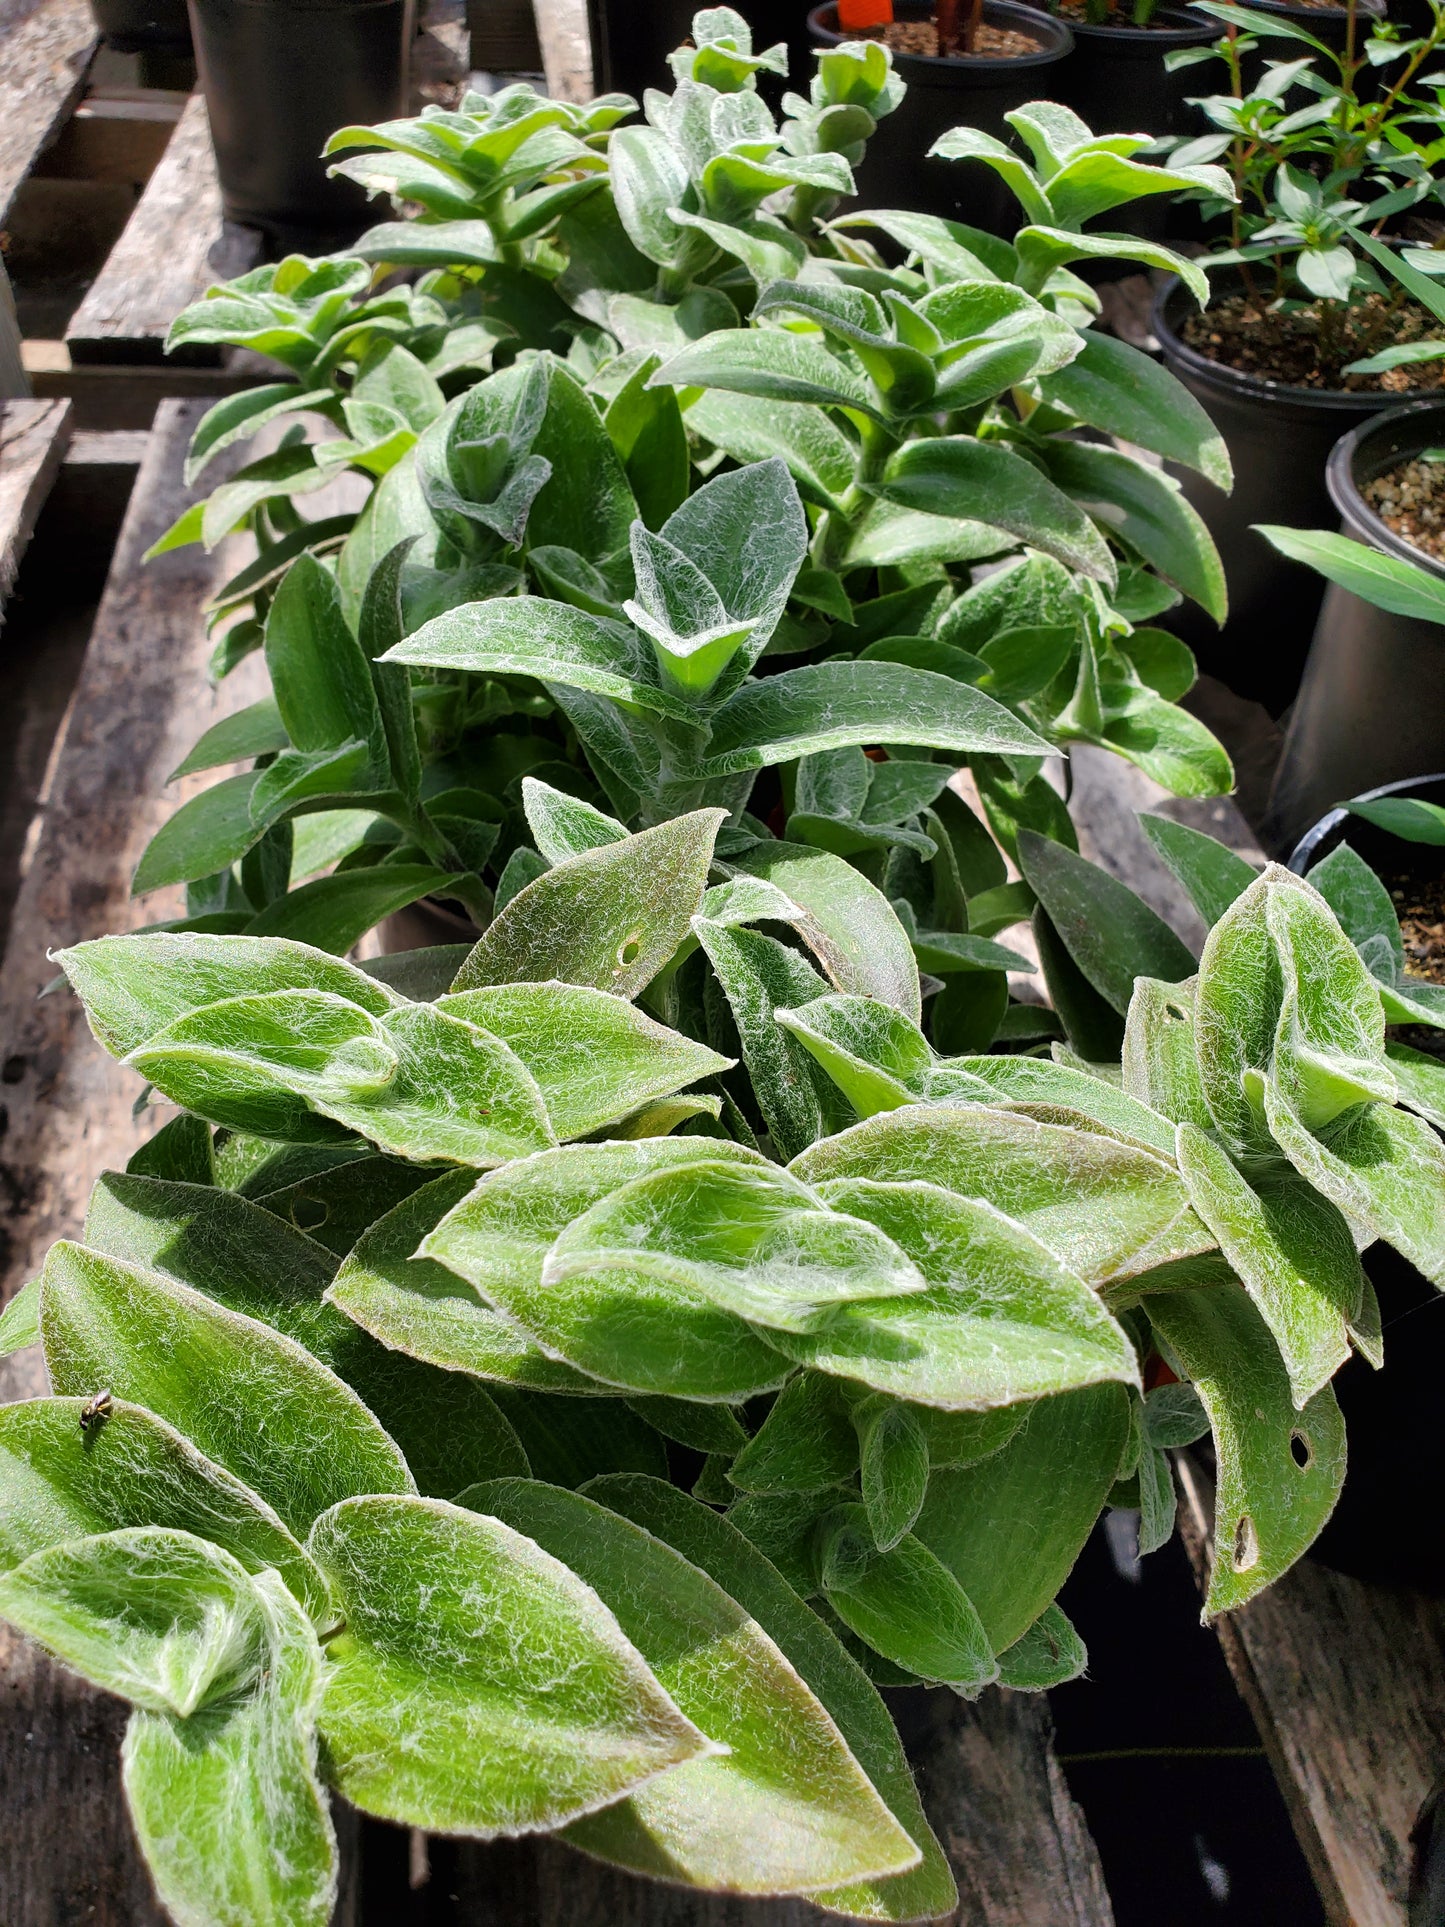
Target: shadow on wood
column 1346, row 1683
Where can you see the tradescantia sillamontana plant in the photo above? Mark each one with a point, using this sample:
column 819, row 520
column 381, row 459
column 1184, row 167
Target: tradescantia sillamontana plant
column 453, row 1272
column 686, row 338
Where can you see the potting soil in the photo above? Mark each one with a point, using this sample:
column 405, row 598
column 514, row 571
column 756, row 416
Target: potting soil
column 920, row 37
column 1308, row 348
column 1410, row 500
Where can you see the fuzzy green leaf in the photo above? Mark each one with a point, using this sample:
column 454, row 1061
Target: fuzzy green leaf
column 480, row 1688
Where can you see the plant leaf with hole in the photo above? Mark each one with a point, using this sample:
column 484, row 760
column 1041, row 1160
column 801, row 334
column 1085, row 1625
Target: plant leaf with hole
column 1268, row 1508
column 609, row 919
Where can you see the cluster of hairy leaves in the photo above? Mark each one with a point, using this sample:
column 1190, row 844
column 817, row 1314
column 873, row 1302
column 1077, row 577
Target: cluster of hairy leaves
column 1324, row 151
column 668, row 478
column 554, row 1381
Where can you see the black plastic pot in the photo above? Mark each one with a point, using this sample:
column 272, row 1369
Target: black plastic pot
column 1396, row 1443
column 630, row 43
column 143, row 26
column 967, row 91
column 1117, row 80
column 280, row 76
column 1371, row 705
column 1329, row 24
column 1279, row 439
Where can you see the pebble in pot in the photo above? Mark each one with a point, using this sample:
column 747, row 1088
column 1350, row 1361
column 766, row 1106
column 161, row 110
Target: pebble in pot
column 973, row 89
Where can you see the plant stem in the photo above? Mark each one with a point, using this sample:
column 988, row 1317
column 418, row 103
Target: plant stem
column 876, row 444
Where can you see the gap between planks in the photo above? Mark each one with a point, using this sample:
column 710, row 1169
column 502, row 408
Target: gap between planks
column 174, row 246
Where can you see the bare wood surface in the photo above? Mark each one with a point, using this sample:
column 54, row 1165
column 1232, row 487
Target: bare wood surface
column 33, row 438
column 566, row 48
column 1019, row 1847
column 142, row 698
column 1346, row 1683
column 174, row 246
column 44, row 54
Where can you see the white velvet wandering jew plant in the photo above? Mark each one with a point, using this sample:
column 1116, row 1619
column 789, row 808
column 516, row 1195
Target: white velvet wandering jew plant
column 575, row 257
column 508, row 1232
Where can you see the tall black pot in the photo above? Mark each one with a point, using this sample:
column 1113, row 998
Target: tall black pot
column 1371, row 705
column 967, row 91
column 280, row 76
column 1329, row 24
column 630, row 43
column 1117, row 80
column 1279, row 439
column 1380, row 1529
column 143, row 26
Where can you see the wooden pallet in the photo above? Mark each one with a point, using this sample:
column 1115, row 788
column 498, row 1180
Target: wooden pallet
column 1346, row 1683
column 33, row 439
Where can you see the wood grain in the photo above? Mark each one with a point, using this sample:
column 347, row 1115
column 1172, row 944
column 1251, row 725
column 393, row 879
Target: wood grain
column 142, row 698
column 33, row 439
column 566, row 48
column 993, row 1791
column 44, row 55
column 174, row 246
column 1346, row 1683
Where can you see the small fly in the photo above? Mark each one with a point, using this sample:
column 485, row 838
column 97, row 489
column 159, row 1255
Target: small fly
column 95, row 1411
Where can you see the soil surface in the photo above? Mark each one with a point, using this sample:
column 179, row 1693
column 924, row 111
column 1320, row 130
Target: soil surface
column 1420, row 905
column 921, row 37
column 1410, row 499
column 1309, row 348
column 1077, row 15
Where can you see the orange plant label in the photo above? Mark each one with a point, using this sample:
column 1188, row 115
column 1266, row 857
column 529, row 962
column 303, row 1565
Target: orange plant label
column 856, row 15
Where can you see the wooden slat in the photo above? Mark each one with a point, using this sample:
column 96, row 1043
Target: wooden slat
column 994, row 1793
column 173, row 247
column 33, row 438
column 44, row 55
column 142, row 698
column 1346, row 1683
column 566, row 48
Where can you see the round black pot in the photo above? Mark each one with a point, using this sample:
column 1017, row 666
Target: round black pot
column 630, row 43
column 1118, row 83
column 280, row 76
column 1329, row 24
column 1396, row 1445
column 1279, row 439
column 1371, row 705
column 143, row 26
column 943, row 94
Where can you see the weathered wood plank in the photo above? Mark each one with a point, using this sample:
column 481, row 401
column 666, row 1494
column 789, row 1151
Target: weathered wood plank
column 142, row 697
column 172, row 248
column 44, row 54
column 993, row 1791
column 1346, row 1683
column 566, row 48
column 33, row 439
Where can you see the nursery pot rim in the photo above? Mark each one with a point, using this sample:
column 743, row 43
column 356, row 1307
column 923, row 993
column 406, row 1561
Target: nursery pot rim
column 1351, row 454
column 1056, row 35
column 1302, row 856
column 1190, row 31
column 1235, row 382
